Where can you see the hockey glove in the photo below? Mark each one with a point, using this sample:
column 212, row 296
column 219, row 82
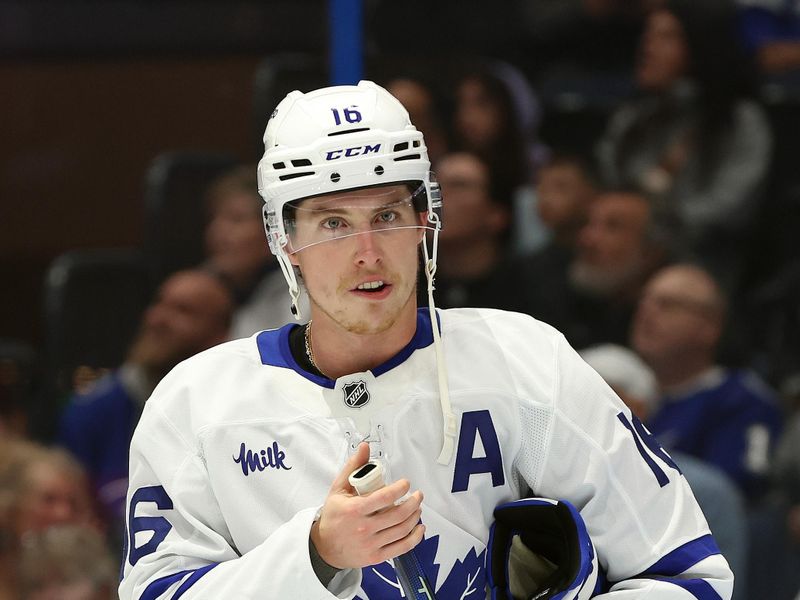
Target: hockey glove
column 539, row 549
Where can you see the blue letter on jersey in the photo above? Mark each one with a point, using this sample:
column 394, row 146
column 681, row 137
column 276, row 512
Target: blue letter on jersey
column 478, row 422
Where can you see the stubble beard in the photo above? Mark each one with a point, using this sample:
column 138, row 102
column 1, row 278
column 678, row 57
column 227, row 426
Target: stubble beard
column 357, row 319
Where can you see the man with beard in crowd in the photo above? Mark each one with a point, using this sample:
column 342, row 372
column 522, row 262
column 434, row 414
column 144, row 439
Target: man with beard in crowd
column 592, row 300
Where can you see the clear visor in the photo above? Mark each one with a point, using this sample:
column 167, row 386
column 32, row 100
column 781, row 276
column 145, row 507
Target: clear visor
column 396, row 210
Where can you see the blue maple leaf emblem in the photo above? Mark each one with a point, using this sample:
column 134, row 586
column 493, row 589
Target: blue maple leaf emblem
column 465, row 581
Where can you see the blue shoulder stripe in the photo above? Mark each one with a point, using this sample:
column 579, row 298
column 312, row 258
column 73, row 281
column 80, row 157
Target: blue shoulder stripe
column 159, row 586
column 681, row 560
column 699, row 588
column 684, row 557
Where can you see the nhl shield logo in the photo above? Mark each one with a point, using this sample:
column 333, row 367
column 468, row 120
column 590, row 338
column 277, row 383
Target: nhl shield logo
column 356, row 394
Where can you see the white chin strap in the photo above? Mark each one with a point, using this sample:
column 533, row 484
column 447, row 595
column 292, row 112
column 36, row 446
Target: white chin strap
column 294, row 285
column 448, row 418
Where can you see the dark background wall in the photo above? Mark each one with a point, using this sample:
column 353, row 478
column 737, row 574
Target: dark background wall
column 93, row 91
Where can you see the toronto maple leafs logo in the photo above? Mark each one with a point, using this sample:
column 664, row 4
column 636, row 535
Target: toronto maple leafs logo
column 356, row 394
column 466, row 579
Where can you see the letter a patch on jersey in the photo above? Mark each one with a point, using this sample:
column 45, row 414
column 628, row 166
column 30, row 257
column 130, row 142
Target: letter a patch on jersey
column 477, row 424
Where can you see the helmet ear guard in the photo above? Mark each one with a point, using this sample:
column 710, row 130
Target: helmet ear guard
column 539, row 549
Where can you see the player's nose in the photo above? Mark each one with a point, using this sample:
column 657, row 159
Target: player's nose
column 367, row 252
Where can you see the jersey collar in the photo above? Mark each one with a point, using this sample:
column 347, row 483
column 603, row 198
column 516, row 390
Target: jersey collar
column 273, row 348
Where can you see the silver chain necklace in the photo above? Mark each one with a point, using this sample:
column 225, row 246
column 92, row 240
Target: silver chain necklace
column 309, row 352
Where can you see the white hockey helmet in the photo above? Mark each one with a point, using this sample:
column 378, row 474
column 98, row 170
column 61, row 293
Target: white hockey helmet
column 336, row 139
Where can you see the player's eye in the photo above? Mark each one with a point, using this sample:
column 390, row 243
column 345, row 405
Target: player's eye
column 387, row 216
column 333, row 223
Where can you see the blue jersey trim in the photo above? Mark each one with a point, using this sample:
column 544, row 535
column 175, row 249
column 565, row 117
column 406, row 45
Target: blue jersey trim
column 684, row 557
column 699, row 588
column 423, row 337
column 159, row 586
column 273, row 348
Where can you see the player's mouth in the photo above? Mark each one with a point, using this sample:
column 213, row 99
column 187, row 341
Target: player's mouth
column 374, row 290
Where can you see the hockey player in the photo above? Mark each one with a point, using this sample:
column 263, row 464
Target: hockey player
column 239, row 484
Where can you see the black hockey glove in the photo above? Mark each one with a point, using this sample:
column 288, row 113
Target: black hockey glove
column 539, row 549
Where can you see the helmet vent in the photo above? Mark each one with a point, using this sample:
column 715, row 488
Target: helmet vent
column 295, row 175
column 399, row 147
column 416, row 143
column 279, row 165
column 408, row 157
column 335, row 177
column 301, row 162
column 348, row 131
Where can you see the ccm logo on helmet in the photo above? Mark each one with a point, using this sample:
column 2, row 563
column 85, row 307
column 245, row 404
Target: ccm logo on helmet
column 355, row 151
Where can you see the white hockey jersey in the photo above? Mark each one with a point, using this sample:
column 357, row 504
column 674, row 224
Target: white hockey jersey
column 238, row 446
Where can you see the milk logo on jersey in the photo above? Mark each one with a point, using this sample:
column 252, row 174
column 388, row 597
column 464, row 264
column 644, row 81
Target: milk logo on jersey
column 271, row 457
column 356, row 394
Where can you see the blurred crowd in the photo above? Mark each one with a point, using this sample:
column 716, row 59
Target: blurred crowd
column 638, row 251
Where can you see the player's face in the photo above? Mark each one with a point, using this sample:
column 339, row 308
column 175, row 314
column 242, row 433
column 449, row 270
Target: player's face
column 364, row 278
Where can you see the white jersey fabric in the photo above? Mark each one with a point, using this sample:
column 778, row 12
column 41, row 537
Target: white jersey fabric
column 238, row 446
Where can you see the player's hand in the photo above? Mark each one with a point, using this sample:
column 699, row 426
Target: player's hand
column 355, row 531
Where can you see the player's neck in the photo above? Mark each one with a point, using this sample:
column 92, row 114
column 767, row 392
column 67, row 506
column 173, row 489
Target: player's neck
column 338, row 351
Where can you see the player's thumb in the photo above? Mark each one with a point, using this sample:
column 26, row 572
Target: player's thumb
column 361, row 456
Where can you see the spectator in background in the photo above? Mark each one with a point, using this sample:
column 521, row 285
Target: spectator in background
column 40, row 488
column 591, row 299
column 496, row 116
column 191, row 312
column 693, row 138
column 68, row 562
column 564, row 190
column 722, row 503
column 423, row 106
column 237, row 252
column 771, row 30
column 726, row 417
column 473, row 270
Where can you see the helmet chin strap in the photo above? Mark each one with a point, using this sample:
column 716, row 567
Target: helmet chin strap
column 294, row 285
column 448, row 418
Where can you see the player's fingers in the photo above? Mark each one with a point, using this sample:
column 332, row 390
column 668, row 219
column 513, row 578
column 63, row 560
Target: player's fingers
column 361, row 456
column 398, row 530
column 385, row 497
column 404, row 544
column 399, row 512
